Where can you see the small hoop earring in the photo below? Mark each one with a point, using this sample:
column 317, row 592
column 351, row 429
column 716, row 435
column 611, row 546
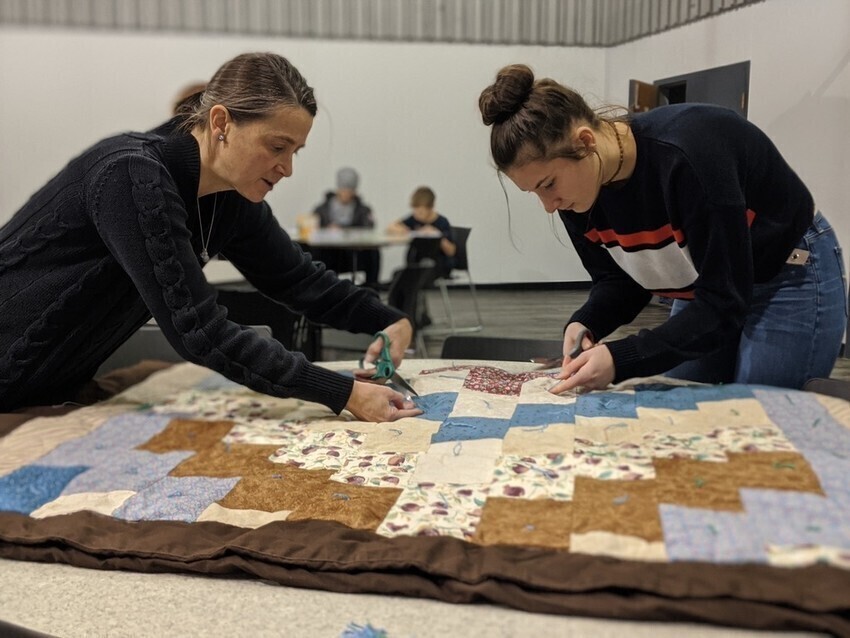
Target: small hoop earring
column 221, row 137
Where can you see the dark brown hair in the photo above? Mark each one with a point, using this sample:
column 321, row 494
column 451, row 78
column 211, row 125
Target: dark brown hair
column 250, row 86
column 423, row 196
column 532, row 119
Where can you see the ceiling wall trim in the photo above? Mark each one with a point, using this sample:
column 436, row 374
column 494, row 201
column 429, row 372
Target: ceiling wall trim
column 591, row 23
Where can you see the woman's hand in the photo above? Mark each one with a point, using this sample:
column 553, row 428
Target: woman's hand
column 448, row 247
column 592, row 369
column 400, row 334
column 397, row 228
column 378, row 403
column 571, row 335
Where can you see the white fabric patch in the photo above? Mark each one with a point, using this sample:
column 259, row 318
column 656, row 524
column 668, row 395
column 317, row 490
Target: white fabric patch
column 100, row 502
column 465, row 462
column 617, row 546
column 241, row 518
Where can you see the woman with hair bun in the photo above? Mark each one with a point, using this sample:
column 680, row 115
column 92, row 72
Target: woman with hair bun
column 687, row 201
column 123, row 232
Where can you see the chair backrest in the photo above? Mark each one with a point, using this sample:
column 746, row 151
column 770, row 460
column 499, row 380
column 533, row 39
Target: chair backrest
column 406, row 287
column 500, row 348
column 459, row 236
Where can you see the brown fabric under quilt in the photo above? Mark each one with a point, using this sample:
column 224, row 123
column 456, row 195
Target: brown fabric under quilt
column 324, row 554
column 329, row 556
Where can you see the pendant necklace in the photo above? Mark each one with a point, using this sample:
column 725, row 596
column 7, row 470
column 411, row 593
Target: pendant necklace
column 622, row 154
column 205, row 255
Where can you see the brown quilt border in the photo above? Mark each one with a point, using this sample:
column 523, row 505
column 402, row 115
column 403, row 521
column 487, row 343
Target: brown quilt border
column 330, row 556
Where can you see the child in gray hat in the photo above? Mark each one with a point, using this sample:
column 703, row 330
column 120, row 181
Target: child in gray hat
column 343, row 208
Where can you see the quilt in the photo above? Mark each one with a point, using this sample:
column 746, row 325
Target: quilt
column 652, row 500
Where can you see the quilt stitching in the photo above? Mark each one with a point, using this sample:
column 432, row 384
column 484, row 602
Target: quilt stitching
column 657, row 472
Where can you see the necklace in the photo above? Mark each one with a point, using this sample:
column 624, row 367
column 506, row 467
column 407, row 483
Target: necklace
column 622, row 154
column 205, row 255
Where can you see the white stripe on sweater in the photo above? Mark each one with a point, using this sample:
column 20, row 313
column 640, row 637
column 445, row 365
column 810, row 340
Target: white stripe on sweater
column 667, row 268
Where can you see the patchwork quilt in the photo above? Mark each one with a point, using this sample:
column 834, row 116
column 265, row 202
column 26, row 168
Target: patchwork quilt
column 653, row 500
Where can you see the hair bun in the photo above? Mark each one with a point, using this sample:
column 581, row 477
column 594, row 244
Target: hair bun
column 507, row 95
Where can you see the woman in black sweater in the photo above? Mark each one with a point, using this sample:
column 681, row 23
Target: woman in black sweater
column 122, row 234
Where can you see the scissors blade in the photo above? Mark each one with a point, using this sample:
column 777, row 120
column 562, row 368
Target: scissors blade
column 547, row 363
column 578, row 348
column 399, row 380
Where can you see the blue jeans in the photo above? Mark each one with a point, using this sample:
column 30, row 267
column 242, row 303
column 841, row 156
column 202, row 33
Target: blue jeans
column 794, row 327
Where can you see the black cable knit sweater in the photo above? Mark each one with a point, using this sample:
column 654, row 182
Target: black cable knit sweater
column 114, row 239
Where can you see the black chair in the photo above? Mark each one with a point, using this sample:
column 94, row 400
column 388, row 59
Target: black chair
column 460, row 235
column 405, row 293
column 831, row 387
column 500, row 348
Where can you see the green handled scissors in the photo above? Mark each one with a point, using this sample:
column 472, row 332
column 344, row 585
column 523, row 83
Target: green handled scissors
column 385, row 368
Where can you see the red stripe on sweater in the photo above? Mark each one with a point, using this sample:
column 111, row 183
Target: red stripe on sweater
column 643, row 238
column 646, row 237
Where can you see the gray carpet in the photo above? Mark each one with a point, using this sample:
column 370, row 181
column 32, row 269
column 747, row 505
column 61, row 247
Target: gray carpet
column 70, row 602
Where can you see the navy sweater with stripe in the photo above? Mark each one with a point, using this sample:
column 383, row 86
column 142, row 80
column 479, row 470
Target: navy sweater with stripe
column 114, row 239
column 710, row 209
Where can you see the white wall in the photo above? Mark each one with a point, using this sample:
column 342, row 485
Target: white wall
column 799, row 83
column 403, row 114
column 406, row 114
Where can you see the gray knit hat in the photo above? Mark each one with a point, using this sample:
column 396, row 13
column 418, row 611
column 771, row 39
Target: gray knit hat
column 346, row 178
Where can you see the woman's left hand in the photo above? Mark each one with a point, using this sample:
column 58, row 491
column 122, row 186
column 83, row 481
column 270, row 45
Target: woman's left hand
column 379, row 404
column 592, row 369
column 400, row 334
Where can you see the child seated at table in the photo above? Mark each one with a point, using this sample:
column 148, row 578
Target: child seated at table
column 343, row 208
column 424, row 218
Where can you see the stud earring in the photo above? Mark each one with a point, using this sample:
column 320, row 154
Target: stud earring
column 221, row 137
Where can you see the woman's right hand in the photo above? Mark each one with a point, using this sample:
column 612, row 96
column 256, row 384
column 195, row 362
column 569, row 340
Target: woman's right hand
column 592, row 368
column 570, row 337
column 378, row 403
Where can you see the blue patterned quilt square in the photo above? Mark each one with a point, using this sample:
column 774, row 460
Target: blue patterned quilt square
column 29, row 487
column 529, row 414
column 176, row 499
column 470, row 428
